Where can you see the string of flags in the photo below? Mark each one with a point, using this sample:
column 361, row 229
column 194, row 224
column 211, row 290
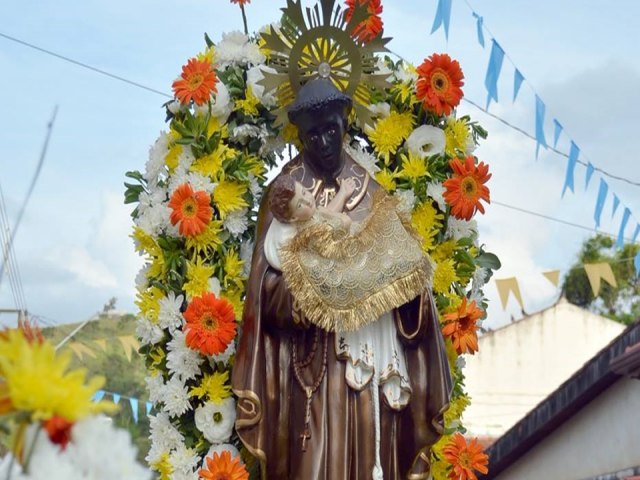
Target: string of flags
column 128, row 342
column 494, row 69
column 133, row 402
column 596, row 273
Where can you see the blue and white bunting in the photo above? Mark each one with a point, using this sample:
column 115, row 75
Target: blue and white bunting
column 148, row 409
column 442, row 18
column 623, row 226
column 116, row 398
column 635, row 233
column 134, row 408
column 571, row 166
column 637, row 264
column 517, row 83
column 602, row 196
column 479, row 28
column 590, row 170
column 616, row 204
column 557, row 130
column 540, row 138
column 493, row 72
column 99, row 395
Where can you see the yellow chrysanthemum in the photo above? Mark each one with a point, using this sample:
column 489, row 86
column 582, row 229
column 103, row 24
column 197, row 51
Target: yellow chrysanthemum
column 389, row 133
column 229, row 196
column 255, row 166
column 211, row 165
column 444, row 250
column 290, row 134
column 148, row 302
column 440, row 467
column 233, row 267
column 404, row 90
column 207, row 241
column 163, row 466
column 444, row 276
column 214, row 387
column 457, row 134
column 249, row 104
column 146, row 244
column 413, row 167
column 455, row 410
column 234, row 295
column 427, row 222
column 386, row 179
column 37, row 381
column 209, row 55
column 198, row 275
column 157, row 355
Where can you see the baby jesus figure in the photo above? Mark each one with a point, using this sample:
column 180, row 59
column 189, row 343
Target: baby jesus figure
column 343, row 276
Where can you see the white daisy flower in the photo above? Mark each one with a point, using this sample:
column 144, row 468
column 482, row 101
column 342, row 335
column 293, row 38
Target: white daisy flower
column 164, row 435
column 243, row 133
column 363, row 158
column 458, row 229
column 435, row 190
column 147, row 332
column 236, row 223
column 184, row 462
column 169, row 315
column 222, row 107
column 175, row 397
column 254, row 77
column 157, row 153
column 155, row 384
column 183, row 362
column 224, row 356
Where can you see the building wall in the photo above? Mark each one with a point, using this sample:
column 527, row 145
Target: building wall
column 519, row 365
column 603, row 437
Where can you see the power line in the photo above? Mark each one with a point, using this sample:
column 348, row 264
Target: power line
column 8, row 257
column 84, row 65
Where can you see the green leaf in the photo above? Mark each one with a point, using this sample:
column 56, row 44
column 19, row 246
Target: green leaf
column 488, row 260
column 136, row 175
column 208, row 41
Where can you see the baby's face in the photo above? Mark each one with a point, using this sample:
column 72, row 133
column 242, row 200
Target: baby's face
column 302, row 206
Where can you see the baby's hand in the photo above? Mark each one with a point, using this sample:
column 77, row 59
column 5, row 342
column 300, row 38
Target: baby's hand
column 348, row 185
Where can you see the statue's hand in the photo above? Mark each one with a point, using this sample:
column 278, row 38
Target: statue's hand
column 348, row 185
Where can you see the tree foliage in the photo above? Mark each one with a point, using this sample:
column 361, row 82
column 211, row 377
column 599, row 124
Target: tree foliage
column 620, row 303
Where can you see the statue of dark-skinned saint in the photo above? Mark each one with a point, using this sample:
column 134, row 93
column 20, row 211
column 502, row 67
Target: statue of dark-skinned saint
column 325, row 405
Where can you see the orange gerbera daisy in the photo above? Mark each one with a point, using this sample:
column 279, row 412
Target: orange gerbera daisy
column 197, row 82
column 439, row 82
column 370, row 28
column 242, row 3
column 59, row 430
column 465, row 458
column 223, row 467
column 211, row 324
column 467, row 187
column 191, row 209
column 461, row 327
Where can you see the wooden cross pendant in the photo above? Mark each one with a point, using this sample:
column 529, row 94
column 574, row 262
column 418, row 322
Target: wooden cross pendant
column 305, row 436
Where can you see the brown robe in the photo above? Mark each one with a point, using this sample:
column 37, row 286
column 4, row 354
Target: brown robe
column 271, row 403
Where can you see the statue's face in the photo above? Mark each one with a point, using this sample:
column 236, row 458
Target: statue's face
column 321, row 134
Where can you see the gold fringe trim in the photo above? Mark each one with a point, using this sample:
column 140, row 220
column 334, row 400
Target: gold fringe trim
column 336, row 244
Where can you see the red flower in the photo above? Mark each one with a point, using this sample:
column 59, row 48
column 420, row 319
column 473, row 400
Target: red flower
column 461, row 327
column 191, row 209
column 211, row 324
column 370, row 28
column 197, row 82
column 59, row 430
column 465, row 458
column 439, row 82
column 467, row 187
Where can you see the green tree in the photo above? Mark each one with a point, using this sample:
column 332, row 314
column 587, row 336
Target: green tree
column 621, row 303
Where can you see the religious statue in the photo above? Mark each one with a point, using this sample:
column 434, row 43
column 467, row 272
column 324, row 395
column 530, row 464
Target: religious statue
column 335, row 403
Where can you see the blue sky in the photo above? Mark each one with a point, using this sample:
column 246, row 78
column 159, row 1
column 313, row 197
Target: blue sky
column 72, row 247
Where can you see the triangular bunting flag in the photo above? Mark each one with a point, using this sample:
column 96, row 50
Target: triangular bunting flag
column 493, row 72
column 99, row 395
column 134, row 408
column 571, row 166
column 623, row 225
column 635, row 233
column 149, row 407
column 517, row 83
column 553, row 277
column 616, row 204
column 506, row 286
column 479, row 28
column 130, row 344
column 636, row 263
column 590, row 170
column 541, row 141
column 597, row 272
column 443, row 16
column 557, row 130
column 81, row 350
column 116, row 398
column 102, row 343
column 602, row 196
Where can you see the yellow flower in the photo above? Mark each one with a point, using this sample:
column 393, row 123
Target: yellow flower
column 207, row 241
column 214, row 387
column 427, row 222
column 386, row 179
column 444, row 250
column 157, row 355
column 234, row 295
column 37, row 381
column 233, row 268
column 413, row 167
column 389, row 133
column 198, row 275
column 163, row 466
column 455, row 410
column 211, row 165
column 444, row 275
column 146, row 244
column 404, row 90
column 457, row 134
column 229, row 196
column 290, row 134
column 209, row 55
column 248, row 105
column 439, row 466
column 148, row 302
column 175, row 149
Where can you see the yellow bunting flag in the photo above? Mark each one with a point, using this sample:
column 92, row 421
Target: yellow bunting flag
column 506, row 286
column 553, row 277
column 81, row 350
column 597, row 272
column 129, row 344
column 102, row 343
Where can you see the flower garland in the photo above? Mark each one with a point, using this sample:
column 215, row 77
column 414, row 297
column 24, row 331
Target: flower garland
column 54, row 425
column 195, row 212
